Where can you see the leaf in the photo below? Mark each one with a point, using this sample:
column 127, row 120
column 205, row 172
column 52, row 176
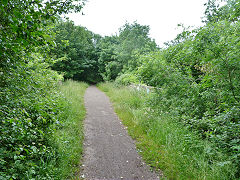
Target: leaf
column 236, row 147
column 17, row 14
column 223, row 163
column 5, row 2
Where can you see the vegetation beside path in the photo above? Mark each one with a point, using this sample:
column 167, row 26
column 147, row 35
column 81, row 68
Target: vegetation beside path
column 70, row 136
column 163, row 141
column 189, row 128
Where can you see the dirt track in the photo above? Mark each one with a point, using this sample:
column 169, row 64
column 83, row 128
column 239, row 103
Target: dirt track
column 109, row 151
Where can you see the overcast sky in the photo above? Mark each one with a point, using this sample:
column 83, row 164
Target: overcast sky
column 105, row 17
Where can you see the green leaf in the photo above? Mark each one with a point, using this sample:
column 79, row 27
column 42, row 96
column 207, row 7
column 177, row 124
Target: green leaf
column 5, row 2
column 17, row 14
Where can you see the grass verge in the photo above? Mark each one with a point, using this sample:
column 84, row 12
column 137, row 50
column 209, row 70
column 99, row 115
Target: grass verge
column 69, row 138
column 164, row 142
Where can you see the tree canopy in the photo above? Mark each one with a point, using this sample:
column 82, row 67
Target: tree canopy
column 196, row 78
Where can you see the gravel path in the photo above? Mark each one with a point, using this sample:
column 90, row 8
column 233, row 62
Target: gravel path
column 110, row 154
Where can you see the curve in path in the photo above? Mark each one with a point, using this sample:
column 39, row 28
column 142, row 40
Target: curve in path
column 109, row 151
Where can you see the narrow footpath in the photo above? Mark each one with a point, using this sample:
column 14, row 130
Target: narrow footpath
column 110, row 153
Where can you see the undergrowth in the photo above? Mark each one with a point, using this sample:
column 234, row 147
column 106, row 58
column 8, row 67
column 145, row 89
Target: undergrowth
column 69, row 138
column 164, row 142
column 30, row 111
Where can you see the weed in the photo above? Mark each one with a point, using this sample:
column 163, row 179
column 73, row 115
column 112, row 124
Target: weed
column 69, row 137
column 164, row 142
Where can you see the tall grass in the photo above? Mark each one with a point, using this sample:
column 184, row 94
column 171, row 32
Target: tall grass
column 69, row 138
column 164, row 142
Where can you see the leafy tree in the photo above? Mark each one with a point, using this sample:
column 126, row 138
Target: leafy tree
column 24, row 24
column 133, row 38
column 107, row 58
column 30, row 105
column 118, row 53
column 229, row 12
column 197, row 78
column 76, row 51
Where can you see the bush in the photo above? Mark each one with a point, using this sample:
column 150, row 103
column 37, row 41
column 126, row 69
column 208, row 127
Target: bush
column 197, row 80
column 165, row 142
column 30, row 113
column 126, row 79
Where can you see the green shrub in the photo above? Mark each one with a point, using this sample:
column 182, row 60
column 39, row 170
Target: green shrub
column 165, row 142
column 126, row 79
column 197, row 81
column 31, row 110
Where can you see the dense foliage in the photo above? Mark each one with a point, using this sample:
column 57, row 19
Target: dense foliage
column 164, row 142
column 30, row 110
column 89, row 57
column 197, row 78
column 117, row 54
column 31, row 106
column 75, row 48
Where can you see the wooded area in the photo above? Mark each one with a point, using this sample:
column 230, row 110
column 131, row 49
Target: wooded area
column 197, row 77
